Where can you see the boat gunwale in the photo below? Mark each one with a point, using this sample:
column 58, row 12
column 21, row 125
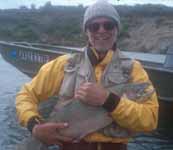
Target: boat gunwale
column 161, row 69
column 41, row 49
column 27, row 45
column 166, row 99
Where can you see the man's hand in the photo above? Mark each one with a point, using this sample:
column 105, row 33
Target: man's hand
column 48, row 133
column 92, row 94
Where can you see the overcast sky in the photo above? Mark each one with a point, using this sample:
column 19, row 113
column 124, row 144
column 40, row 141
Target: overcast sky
column 17, row 3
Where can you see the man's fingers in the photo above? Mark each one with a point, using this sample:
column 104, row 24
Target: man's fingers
column 61, row 125
column 85, row 85
column 63, row 138
column 80, row 94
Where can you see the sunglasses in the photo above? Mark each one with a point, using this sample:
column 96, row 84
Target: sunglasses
column 94, row 27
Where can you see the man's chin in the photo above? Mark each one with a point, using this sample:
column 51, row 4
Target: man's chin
column 102, row 48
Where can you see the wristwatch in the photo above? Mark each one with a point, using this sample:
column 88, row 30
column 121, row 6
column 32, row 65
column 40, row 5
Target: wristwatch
column 32, row 122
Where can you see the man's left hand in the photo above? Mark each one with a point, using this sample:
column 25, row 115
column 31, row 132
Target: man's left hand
column 92, row 94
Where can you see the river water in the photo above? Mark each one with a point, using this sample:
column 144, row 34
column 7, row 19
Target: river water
column 12, row 133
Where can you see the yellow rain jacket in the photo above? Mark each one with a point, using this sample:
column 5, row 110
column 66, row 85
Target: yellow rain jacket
column 128, row 114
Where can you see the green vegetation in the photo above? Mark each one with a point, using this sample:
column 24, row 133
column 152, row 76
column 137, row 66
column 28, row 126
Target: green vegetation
column 61, row 24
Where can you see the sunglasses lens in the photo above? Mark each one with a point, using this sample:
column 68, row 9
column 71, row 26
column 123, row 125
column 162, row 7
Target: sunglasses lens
column 109, row 26
column 94, row 27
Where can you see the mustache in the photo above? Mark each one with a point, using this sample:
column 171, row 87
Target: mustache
column 102, row 36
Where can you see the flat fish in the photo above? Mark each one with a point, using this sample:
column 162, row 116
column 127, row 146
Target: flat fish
column 82, row 119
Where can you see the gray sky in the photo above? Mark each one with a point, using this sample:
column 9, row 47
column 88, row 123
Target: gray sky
column 17, row 3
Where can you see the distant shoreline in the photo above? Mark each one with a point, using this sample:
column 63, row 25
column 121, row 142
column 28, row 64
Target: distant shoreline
column 144, row 27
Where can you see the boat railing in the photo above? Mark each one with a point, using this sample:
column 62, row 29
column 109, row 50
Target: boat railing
column 169, row 59
column 23, row 43
column 167, row 99
column 149, row 60
column 42, row 47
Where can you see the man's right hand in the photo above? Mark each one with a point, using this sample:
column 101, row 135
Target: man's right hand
column 48, row 133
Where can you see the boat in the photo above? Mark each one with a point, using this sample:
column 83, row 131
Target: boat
column 29, row 57
column 160, row 70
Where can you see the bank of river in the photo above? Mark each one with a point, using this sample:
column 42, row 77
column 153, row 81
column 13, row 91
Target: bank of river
column 11, row 133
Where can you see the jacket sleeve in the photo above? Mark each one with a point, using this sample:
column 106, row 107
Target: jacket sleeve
column 133, row 115
column 45, row 84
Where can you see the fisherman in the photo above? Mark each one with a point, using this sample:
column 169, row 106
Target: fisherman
column 88, row 77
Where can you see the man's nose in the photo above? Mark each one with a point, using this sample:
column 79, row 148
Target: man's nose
column 101, row 28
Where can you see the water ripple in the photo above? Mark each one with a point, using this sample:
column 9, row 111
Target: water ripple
column 12, row 133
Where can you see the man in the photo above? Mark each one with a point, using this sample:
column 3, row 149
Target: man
column 92, row 78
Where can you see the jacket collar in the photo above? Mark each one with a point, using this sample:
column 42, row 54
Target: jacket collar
column 94, row 58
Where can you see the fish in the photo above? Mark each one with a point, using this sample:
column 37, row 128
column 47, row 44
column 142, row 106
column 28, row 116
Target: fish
column 83, row 118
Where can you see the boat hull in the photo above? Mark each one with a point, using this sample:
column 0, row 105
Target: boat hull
column 162, row 81
column 29, row 60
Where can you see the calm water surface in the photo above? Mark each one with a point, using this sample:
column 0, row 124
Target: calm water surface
column 11, row 133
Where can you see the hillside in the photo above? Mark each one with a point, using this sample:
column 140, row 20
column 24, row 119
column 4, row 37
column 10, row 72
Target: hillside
column 147, row 28
column 148, row 31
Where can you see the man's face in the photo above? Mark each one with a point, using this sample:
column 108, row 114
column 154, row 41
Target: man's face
column 102, row 33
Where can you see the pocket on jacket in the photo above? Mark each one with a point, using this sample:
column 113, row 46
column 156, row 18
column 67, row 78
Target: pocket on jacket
column 68, row 84
column 117, row 78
